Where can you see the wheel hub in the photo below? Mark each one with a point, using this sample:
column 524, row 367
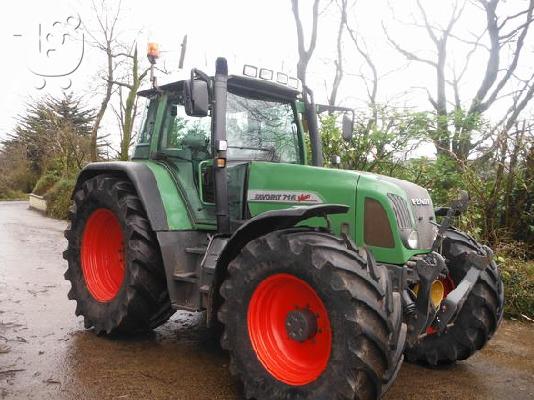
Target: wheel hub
column 301, row 325
column 102, row 255
column 289, row 329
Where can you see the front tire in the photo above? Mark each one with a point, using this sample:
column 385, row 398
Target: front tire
column 351, row 349
column 480, row 315
column 114, row 261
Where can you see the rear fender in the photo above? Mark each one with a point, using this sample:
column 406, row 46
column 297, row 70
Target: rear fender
column 142, row 179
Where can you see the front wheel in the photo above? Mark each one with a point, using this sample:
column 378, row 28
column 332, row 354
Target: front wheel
column 305, row 319
column 480, row 315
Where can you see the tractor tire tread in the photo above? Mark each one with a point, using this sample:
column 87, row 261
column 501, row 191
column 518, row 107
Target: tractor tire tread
column 371, row 358
column 142, row 302
column 478, row 319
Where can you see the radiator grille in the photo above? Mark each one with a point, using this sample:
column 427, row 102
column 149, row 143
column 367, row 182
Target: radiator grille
column 404, row 219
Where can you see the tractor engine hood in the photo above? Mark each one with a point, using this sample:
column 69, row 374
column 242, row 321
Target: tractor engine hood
column 399, row 208
column 411, row 204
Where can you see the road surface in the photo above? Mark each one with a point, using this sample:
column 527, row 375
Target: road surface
column 45, row 353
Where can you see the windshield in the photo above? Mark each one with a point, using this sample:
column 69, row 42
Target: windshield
column 255, row 130
column 261, row 130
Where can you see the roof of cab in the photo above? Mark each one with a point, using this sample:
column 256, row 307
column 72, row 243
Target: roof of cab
column 244, row 85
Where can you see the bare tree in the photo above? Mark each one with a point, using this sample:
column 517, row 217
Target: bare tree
column 339, row 54
column 105, row 39
column 440, row 38
column 128, row 106
column 302, row 67
column 496, row 76
column 305, row 53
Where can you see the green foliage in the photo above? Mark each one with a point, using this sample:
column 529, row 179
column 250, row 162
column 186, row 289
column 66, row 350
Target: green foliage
column 46, row 182
column 58, row 198
column 6, row 193
column 50, row 144
column 53, row 135
column 518, row 276
column 383, row 139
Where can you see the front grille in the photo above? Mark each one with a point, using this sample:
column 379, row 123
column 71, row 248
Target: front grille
column 404, row 219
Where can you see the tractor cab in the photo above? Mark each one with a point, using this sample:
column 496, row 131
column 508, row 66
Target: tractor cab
column 262, row 124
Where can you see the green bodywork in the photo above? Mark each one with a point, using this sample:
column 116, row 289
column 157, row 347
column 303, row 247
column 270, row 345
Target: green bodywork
column 335, row 187
column 178, row 182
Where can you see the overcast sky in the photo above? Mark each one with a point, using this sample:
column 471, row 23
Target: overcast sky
column 245, row 31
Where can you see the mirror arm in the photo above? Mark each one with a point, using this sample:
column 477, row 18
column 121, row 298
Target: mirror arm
column 321, row 108
column 198, row 74
column 201, row 75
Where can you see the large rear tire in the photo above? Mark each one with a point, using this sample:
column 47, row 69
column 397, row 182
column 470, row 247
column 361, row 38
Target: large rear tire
column 478, row 319
column 114, row 260
column 351, row 349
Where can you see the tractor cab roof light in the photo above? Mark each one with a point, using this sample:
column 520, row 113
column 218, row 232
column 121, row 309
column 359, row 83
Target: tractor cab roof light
column 282, row 78
column 250, row 70
column 266, row 74
column 293, row 82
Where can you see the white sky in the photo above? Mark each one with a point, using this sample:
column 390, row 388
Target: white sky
column 245, row 31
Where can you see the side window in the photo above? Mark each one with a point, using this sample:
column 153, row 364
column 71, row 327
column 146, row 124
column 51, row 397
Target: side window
column 149, row 121
column 185, row 136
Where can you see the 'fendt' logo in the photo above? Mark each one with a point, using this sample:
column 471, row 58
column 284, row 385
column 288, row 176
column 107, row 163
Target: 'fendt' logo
column 421, row 202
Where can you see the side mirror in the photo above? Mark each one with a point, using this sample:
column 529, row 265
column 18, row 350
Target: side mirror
column 347, row 128
column 196, row 98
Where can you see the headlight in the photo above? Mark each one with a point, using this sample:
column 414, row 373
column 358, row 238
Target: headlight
column 413, row 240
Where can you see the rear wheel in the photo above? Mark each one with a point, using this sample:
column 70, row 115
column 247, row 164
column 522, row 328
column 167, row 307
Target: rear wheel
column 480, row 315
column 114, row 261
column 305, row 319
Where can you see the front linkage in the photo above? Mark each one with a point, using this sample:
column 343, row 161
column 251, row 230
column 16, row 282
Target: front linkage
column 421, row 311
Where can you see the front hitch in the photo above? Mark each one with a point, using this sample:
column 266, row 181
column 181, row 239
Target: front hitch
column 453, row 303
column 428, row 268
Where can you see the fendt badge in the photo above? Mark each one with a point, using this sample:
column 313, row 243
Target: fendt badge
column 421, row 202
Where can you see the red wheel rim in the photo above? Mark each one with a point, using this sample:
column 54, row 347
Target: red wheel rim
column 448, row 286
column 292, row 362
column 102, row 255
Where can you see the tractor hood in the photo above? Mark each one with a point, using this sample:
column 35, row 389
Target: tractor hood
column 383, row 211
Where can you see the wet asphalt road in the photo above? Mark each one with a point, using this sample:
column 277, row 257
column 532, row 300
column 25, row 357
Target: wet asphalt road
column 45, row 353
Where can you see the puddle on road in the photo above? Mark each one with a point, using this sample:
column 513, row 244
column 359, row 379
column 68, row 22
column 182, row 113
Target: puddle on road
column 179, row 360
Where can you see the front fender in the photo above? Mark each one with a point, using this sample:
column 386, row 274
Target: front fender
column 254, row 228
column 275, row 220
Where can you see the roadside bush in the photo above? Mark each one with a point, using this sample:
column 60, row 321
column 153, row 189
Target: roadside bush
column 12, row 195
column 46, row 182
column 58, row 198
column 8, row 193
column 518, row 276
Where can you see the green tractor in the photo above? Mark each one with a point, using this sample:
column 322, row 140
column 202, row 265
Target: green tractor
column 318, row 280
